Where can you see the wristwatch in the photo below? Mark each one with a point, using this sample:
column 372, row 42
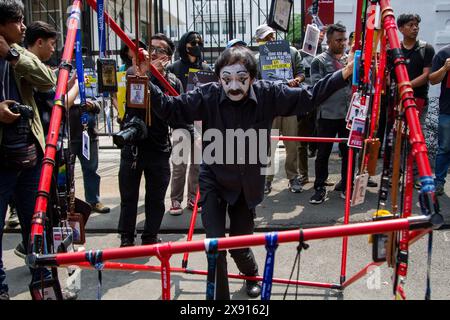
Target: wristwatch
column 12, row 55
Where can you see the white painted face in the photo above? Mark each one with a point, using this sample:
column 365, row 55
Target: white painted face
column 235, row 80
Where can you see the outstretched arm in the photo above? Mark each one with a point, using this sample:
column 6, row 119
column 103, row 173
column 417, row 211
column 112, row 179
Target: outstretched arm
column 293, row 101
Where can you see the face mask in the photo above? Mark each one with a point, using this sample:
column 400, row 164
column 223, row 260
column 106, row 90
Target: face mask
column 195, row 51
column 235, row 80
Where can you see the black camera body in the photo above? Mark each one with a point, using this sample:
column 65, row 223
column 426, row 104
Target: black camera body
column 22, row 125
column 133, row 131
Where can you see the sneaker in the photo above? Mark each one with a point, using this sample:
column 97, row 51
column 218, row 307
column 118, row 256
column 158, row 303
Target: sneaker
column 267, row 187
column 191, row 204
column 338, row 186
column 343, row 195
column 4, row 296
column 439, row 190
column 126, row 241
column 252, row 288
column 175, row 209
column 303, row 179
column 100, row 208
column 295, row 185
column 20, row 250
column 150, row 240
column 371, row 183
column 329, row 183
column 319, row 196
column 13, row 220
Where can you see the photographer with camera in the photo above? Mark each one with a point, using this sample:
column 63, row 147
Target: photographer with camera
column 145, row 149
column 21, row 133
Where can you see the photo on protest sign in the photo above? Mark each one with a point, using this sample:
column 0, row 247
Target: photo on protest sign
column 137, row 92
column 75, row 221
column 107, row 75
column 311, row 42
column 359, row 189
column 356, row 138
column 198, row 77
column 280, row 13
column 275, row 61
column 60, row 234
column 90, row 83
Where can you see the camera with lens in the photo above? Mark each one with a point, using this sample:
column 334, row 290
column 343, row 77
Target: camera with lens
column 133, row 131
column 26, row 113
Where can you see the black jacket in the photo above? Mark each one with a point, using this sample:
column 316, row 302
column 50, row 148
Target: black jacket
column 266, row 100
column 181, row 67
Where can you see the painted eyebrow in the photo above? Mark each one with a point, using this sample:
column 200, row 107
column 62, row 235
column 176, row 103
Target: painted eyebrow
column 240, row 71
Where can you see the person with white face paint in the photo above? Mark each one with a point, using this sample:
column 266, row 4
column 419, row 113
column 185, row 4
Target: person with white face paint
column 237, row 102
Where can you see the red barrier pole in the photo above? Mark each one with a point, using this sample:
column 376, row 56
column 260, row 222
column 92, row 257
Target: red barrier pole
column 413, row 237
column 348, row 195
column 48, row 162
column 184, row 263
column 239, row 241
column 416, row 139
column 132, row 46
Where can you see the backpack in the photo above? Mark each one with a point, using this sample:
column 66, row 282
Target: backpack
column 421, row 48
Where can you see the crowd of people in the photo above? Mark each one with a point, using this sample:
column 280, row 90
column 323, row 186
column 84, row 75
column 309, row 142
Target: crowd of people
column 313, row 103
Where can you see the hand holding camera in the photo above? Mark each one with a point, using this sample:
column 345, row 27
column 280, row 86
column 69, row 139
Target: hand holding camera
column 6, row 114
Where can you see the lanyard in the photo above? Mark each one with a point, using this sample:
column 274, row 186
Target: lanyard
column 211, row 255
column 271, row 247
column 80, row 69
column 101, row 28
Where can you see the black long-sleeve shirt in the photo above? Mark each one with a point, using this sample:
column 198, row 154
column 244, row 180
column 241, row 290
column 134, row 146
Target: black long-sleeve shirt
column 266, row 100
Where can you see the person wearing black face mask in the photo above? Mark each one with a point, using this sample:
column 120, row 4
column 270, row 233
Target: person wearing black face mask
column 190, row 49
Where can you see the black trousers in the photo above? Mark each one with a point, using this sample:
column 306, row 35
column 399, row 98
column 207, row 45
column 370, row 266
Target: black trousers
column 156, row 169
column 330, row 128
column 241, row 223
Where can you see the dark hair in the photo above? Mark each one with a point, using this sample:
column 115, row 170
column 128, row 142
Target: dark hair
column 37, row 30
column 123, row 53
column 163, row 37
column 195, row 36
column 352, row 34
column 407, row 17
column 11, row 11
column 234, row 55
column 337, row 27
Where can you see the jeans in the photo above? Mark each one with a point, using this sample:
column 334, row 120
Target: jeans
column 443, row 153
column 21, row 186
column 89, row 167
column 329, row 128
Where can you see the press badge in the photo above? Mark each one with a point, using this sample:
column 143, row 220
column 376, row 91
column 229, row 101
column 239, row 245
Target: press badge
column 86, row 145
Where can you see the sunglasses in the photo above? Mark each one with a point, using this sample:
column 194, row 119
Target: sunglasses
column 158, row 50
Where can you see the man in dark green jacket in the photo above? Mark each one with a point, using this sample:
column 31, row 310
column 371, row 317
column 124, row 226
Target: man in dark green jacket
column 21, row 72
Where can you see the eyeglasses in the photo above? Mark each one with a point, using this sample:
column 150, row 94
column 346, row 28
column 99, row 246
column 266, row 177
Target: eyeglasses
column 158, row 50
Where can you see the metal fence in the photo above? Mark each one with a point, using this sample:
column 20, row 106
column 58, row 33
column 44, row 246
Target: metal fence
column 217, row 20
